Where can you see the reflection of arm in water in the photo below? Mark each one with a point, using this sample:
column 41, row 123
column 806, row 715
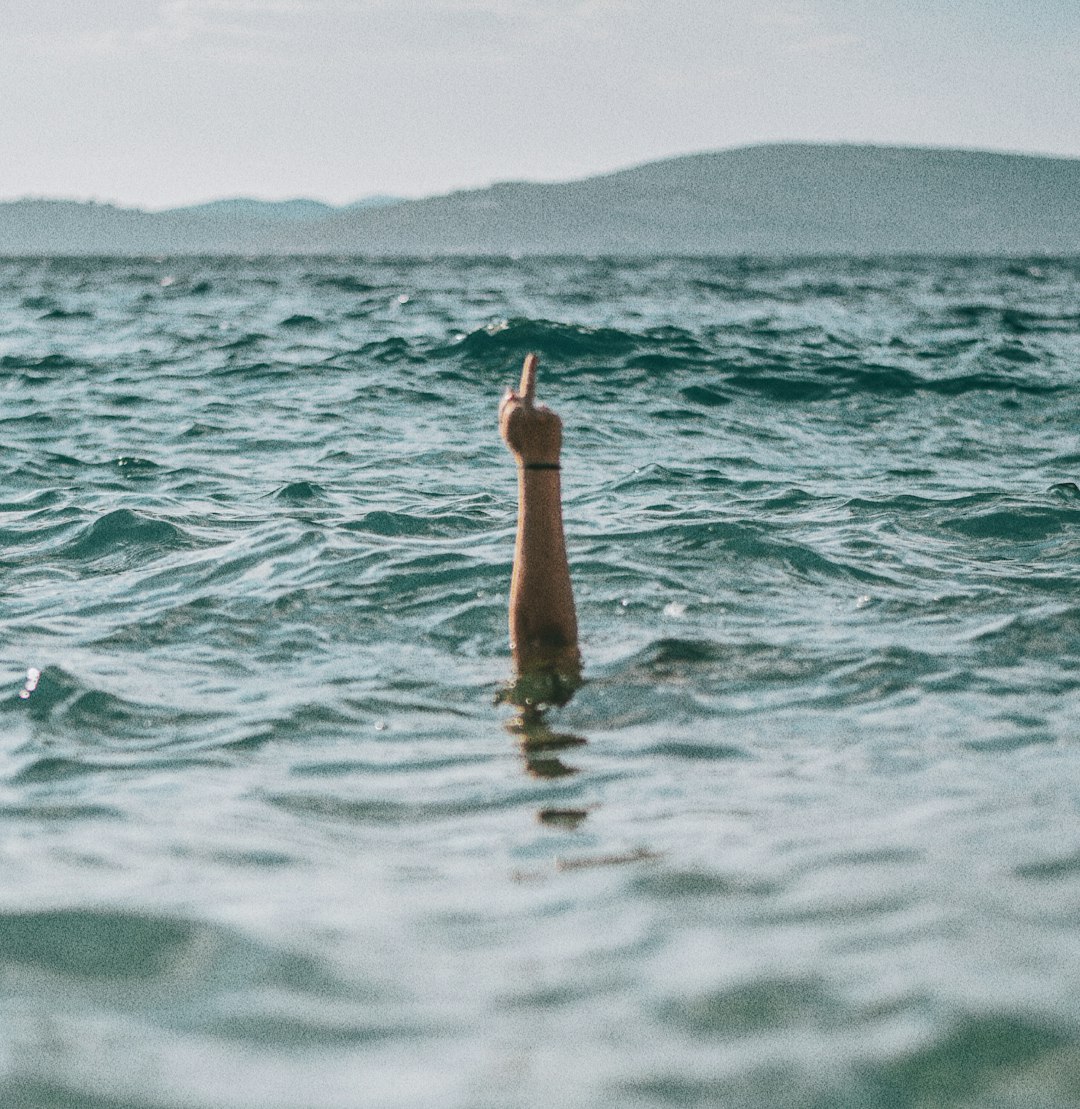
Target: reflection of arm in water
column 543, row 623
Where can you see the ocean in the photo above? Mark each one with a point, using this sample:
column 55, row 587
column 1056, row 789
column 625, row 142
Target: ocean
column 807, row 835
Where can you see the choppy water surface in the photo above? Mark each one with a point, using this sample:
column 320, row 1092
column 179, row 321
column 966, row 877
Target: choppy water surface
column 811, row 835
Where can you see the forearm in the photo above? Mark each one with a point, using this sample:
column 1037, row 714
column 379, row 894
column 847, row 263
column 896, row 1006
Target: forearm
column 543, row 622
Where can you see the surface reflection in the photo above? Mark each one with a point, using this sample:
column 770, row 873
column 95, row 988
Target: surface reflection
column 568, row 820
column 541, row 746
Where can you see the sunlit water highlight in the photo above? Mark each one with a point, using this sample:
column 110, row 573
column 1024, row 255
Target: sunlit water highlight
column 810, row 835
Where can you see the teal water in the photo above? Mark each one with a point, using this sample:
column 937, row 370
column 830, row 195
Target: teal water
column 810, row 836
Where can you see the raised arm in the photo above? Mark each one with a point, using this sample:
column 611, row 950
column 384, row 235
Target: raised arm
column 543, row 623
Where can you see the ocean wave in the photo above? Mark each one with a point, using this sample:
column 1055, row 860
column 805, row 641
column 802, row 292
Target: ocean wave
column 300, row 321
column 1016, row 524
column 301, row 493
column 831, row 380
column 344, row 283
column 559, row 342
column 704, row 395
column 1049, row 637
column 60, row 314
column 58, row 364
column 85, row 946
column 65, row 705
column 763, row 1004
column 124, row 538
column 975, row 1056
column 821, row 519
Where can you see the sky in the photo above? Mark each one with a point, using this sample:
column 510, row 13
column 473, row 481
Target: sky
column 154, row 103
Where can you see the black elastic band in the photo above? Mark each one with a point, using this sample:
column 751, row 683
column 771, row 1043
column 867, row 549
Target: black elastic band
column 540, row 466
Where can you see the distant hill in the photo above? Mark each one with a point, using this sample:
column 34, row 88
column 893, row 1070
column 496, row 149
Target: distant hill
column 765, row 200
column 242, row 207
column 296, row 211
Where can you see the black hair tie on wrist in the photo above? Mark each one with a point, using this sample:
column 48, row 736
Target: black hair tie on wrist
column 540, row 466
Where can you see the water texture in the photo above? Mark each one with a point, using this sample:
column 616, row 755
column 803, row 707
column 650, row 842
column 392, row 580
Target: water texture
column 806, row 837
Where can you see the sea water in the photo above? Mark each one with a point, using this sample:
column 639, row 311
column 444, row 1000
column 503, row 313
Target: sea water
column 807, row 836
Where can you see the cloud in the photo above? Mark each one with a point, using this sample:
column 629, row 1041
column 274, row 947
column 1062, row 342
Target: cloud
column 238, row 31
column 216, row 24
column 255, row 31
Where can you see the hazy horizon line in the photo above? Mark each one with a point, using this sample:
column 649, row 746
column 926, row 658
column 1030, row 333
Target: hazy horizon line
column 157, row 209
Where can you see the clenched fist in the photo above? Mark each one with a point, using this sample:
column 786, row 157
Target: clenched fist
column 532, row 431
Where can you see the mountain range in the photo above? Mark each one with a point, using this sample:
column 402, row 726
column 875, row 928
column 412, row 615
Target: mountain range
column 771, row 200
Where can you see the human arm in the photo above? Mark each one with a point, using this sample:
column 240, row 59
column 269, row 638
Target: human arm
column 543, row 621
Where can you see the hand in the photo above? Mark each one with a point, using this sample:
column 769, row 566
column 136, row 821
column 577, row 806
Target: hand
column 532, row 431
